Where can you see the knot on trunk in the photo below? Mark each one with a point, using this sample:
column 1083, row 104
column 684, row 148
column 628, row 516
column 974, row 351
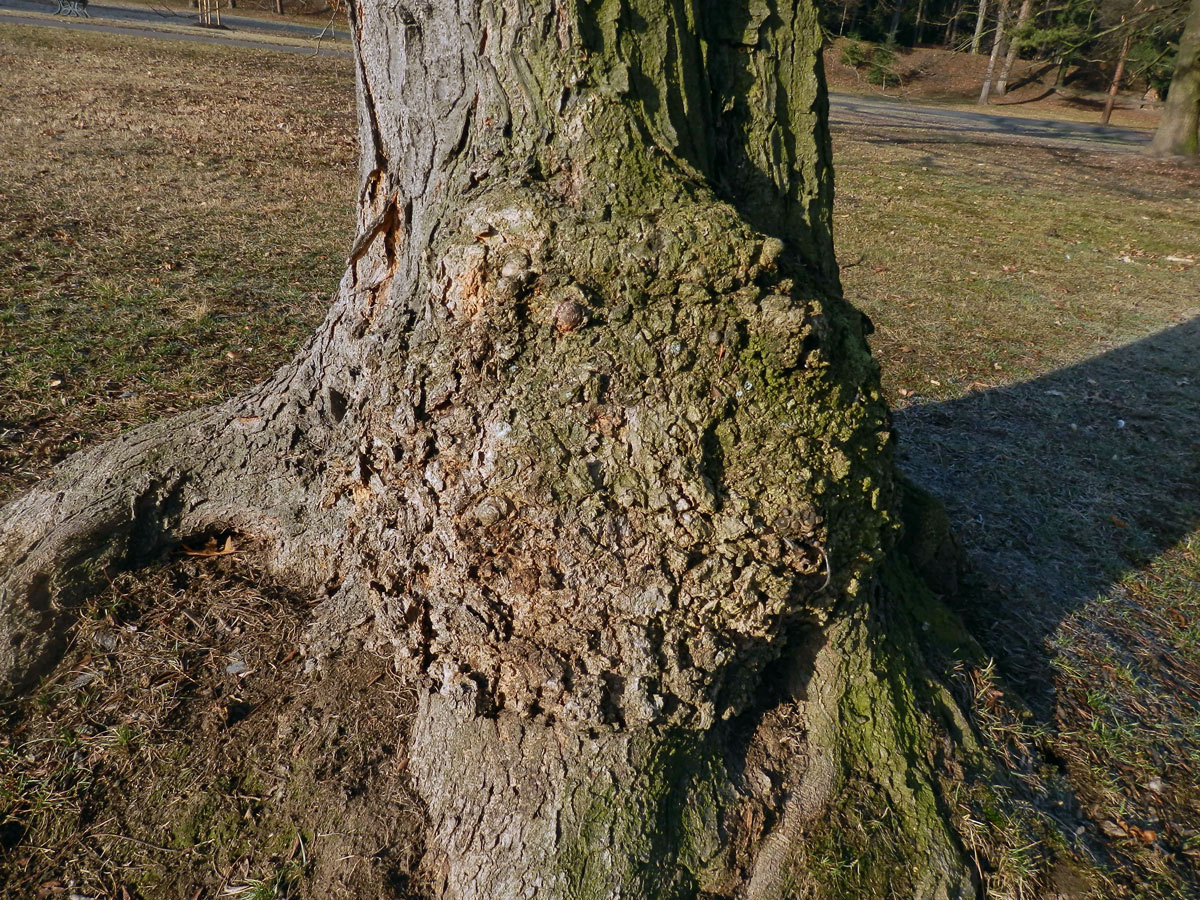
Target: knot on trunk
column 627, row 526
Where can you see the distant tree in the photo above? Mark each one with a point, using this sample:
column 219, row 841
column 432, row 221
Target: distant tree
column 980, row 19
column 919, row 25
column 900, row 22
column 1152, row 60
column 1062, row 31
column 894, row 26
column 1015, row 39
column 1177, row 132
column 848, row 8
column 997, row 43
column 952, row 25
column 1115, row 85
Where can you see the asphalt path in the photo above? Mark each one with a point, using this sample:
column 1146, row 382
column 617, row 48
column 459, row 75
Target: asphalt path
column 894, row 119
column 133, row 31
column 148, row 19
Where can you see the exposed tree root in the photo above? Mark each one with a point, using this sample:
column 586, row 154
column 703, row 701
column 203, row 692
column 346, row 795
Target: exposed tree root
column 590, row 445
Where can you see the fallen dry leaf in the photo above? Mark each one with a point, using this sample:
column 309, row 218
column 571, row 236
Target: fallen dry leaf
column 211, row 548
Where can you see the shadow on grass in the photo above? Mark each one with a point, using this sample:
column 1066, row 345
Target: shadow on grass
column 1033, row 74
column 1059, row 485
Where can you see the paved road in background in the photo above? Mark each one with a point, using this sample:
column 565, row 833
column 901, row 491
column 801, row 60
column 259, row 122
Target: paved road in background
column 934, row 123
column 150, row 13
column 151, row 20
column 892, row 117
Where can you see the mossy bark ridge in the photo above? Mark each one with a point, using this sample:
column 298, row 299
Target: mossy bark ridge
column 1178, row 131
column 589, row 444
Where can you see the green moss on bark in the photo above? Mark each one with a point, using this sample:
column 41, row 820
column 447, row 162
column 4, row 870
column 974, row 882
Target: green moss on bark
column 655, row 835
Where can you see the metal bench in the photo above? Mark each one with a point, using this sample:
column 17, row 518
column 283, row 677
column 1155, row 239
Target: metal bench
column 72, row 8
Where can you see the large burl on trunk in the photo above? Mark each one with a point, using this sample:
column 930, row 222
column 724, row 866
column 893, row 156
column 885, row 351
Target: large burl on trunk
column 590, row 444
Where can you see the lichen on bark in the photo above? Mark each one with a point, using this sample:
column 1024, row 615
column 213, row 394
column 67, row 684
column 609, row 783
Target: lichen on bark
column 590, row 444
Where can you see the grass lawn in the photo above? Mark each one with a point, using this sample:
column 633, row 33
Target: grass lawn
column 173, row 220
column 1038, row 318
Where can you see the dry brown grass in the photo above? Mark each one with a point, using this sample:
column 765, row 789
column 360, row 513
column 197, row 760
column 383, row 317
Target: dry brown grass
column 172, row 223
column 180, row 750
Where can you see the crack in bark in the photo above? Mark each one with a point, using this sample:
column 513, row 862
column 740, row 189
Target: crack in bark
column 542, row 449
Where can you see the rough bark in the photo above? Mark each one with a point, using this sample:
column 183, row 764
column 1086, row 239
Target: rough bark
column 1180, row 123
column 589, row 443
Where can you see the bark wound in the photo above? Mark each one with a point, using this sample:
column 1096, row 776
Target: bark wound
column 588, row 356
column 589, row 441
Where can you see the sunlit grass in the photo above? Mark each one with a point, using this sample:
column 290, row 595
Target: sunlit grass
column 172, row 221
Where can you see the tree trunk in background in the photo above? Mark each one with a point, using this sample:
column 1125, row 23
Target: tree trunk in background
column 980, row 20
column 1013, row 47
column 895, row 23
column 919, row 25
column 591, row 446
column 1177, row 130
column 997, row 42
column 952, row 25
column 854, row 16
column 1106, row 116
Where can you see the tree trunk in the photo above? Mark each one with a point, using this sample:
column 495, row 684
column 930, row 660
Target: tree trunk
column 894, row 27
column 952, row 26
column 1177, row 130
column 592, row 447
column 1106, row 116
column 997, row 42
column 980, row 20
column 1013, row 47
